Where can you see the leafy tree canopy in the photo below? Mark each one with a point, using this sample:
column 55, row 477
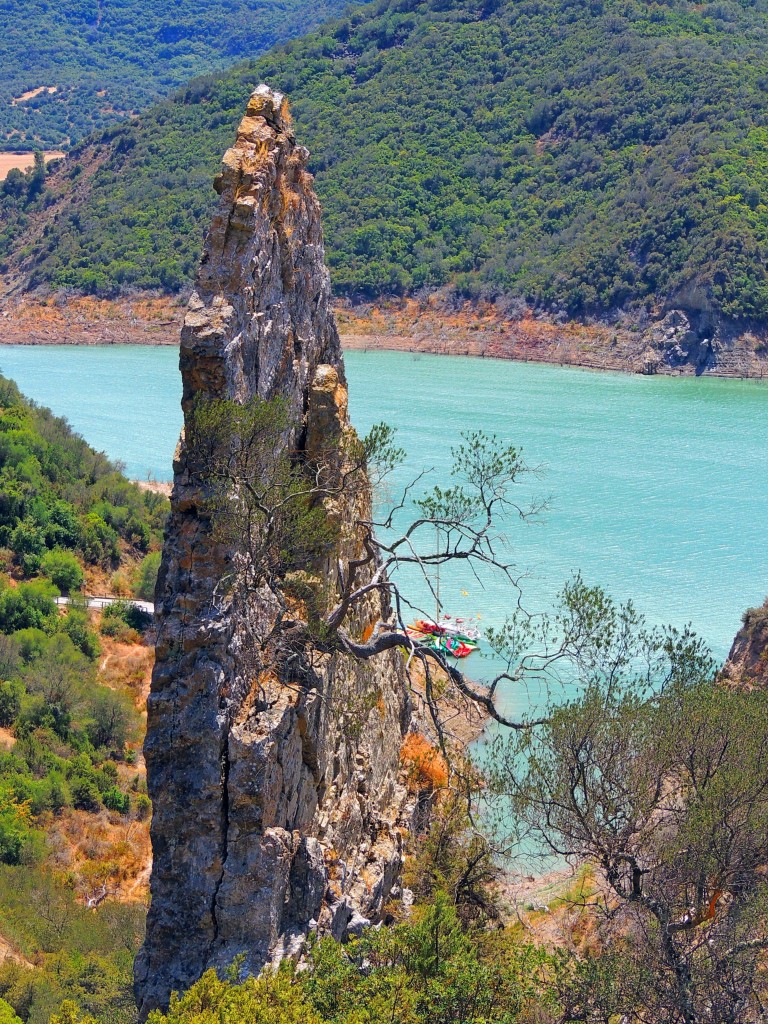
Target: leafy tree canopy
column 66, row 69
column 62, row 503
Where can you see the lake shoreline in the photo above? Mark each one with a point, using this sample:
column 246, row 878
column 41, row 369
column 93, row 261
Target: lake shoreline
column 543, row 356
column 402, row 326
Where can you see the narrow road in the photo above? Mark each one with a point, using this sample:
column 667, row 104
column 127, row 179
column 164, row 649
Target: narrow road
column 103, row 602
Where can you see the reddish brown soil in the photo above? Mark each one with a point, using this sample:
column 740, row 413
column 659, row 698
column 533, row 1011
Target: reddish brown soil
column 86, row 321
column 429, row 326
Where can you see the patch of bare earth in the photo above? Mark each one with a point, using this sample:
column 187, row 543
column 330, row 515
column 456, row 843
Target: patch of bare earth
column 555, row 909
column 155, row 486
column 128, row 668
column 87, row 321
column 24, row 161
column 32, row 94
column 482, row 329
column 7, row 952
column 98, row 582
column 431, row 325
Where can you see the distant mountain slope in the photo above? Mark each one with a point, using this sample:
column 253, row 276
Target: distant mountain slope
column 581, row 155
column 68, row 68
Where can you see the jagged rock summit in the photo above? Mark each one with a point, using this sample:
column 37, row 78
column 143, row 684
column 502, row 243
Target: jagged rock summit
column 283, row 814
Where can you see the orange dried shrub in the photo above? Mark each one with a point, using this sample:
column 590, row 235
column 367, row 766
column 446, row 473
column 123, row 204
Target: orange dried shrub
column 425, row 766
column 368, row 632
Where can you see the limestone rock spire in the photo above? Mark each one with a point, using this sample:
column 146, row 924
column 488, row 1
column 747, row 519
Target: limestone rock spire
column 276, row 816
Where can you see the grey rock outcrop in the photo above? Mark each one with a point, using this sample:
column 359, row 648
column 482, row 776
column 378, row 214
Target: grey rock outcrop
column 278, row 806
column 685, row 339
column 747, row 663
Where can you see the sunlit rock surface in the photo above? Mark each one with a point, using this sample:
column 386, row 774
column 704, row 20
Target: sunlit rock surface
column 278, row 807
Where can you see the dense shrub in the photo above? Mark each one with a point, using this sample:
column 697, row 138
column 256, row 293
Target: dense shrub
column 15, row 829
column 115, row 800
column 99, row 541
column 85, row 793
column 150, row 566
column 27, row 606
column 124, row 620
column 76, row 625
column 11, row 693
column 63, row 569
column 7, row 1016
column 142, row 806
column 112, row 719
column 51, row 793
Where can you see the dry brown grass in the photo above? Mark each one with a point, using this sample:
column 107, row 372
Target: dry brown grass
column 93, row 850
column 128, row 668
column 23, row 161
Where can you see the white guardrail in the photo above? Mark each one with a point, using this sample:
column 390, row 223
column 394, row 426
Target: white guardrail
column 103, row 602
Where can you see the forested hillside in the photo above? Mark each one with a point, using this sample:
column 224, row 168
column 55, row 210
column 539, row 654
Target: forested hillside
column 73, row 805
column 60, row 496
column 66, row 69
column 584, row 156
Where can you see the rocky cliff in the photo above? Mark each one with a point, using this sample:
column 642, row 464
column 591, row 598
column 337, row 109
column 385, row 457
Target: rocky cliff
column 747, row 663
column 278, row 807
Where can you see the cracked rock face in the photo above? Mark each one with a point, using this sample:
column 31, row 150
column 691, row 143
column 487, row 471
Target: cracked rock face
column 279, row 812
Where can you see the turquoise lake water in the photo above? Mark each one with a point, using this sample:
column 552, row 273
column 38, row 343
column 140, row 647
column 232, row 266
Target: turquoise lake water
column 659, row 485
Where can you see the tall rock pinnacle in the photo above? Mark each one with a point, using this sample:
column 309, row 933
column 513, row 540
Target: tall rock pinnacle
column 275, row 812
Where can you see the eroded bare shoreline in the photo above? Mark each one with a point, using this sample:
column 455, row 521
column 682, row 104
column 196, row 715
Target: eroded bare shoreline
column 409, row 326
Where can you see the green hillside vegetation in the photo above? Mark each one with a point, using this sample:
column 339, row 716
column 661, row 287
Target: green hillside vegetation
column 62, row 504
column 73, row 954
column 581, row 156
column 67, row 741
column 93, row 61
column 70, row 733
column 64, row 510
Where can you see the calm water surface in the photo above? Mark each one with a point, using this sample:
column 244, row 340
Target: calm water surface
column 659, row 485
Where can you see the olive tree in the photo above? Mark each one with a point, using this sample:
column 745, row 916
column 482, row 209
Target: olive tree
column 273, row 500
column 657, row 775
